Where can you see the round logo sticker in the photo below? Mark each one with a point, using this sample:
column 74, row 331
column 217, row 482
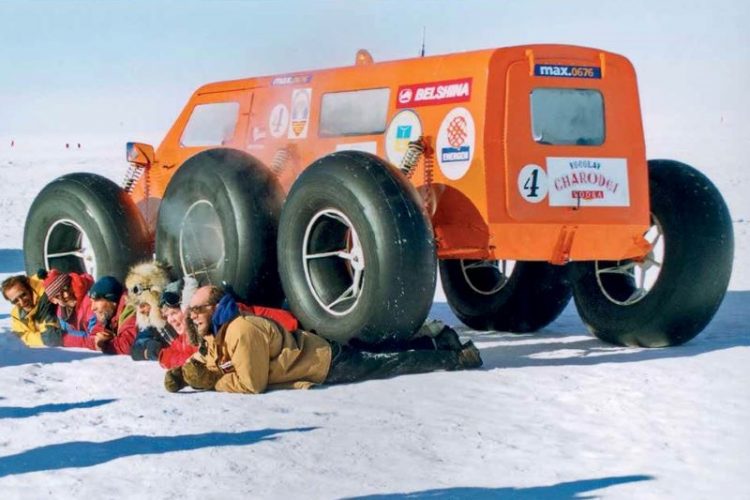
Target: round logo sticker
column 532, row 183
column 404, row 127
column 455, row 143
column 300, row 113
column 278, row 121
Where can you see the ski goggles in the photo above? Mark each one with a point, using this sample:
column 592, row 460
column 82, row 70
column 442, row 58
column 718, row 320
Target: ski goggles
column 170, row 299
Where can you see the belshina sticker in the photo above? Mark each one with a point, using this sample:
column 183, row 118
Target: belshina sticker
column 278, row 121
column 404, row 128
column 300, row 113
column 455, row 143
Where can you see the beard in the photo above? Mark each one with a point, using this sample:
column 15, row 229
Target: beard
column 192, row 332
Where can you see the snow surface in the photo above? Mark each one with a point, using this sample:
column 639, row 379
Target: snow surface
column 557, row 414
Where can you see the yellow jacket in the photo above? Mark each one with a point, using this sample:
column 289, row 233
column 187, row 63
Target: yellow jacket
column 256, row 353
column 30, row 327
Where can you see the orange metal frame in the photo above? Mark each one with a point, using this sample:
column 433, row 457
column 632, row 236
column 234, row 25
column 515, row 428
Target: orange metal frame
column 480, row 215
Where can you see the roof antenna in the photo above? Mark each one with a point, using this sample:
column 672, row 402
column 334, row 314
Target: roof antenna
column 421, row 53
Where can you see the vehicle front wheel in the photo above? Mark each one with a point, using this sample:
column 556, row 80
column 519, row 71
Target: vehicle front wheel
column 84, row 222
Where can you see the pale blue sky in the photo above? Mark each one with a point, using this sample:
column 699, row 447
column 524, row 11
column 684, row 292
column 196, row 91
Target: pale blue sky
column 127, row 67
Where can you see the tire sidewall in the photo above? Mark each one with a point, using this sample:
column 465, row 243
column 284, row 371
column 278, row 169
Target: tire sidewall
column 395, row 235
column 247, row 200
column 695, row 270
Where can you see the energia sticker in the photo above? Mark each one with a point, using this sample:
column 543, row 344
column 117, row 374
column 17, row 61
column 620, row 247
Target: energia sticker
column 562, row 71
column 455, row 143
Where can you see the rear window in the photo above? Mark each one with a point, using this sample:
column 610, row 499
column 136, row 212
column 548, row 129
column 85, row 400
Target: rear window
column 567, row 116
column 359, row 112
column 211, row 124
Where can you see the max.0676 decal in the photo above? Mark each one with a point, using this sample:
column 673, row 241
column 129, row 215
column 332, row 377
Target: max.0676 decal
column 300, row 119
column 404, row 127
column 563, row 71
column 455, row 143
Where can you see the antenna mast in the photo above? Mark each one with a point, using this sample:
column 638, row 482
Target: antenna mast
column 421, row 53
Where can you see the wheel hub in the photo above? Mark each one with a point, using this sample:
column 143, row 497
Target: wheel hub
column 67, row 247
column 333, row 261
column 627, row 282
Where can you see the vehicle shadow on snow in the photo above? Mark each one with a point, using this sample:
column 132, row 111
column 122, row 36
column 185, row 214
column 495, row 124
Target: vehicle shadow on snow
column 572, row 489
column 11, row 260
column 78, row 454
column 567, row 342
column 25, row 412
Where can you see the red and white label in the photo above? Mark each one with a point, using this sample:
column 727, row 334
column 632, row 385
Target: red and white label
column 432, row 93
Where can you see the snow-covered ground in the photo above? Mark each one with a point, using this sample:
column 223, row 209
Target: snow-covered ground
column 557, row 414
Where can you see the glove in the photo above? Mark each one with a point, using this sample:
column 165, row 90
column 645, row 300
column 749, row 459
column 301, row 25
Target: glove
column 198, row 376
column 174, row 380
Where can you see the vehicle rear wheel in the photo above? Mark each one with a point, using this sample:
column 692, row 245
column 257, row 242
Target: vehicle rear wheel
column 84, row 223
column 218, row 222
column 667, row 297
column 508, row 296
column 356, row 250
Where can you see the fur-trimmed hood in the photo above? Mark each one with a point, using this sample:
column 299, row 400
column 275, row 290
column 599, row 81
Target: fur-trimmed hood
column 145, row 283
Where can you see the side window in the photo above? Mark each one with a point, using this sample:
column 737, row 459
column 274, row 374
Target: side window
column 357, row 112
column 211, row 124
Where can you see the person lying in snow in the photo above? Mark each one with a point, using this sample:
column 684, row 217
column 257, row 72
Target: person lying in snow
column 184, row 341
column 32, row 317
column 245, row 353
column 68, row 292
column 113, row 325
column 145, row 284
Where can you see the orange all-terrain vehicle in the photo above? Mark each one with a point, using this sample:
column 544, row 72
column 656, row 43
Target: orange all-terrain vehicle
column 520, row 172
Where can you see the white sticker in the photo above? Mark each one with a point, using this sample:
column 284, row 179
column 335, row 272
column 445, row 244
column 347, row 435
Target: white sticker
column 455, row 143
column 594, row 182
column 532, row 183
column 404, row 127
column 367, row 147
column 278, row 121
column 300, row 118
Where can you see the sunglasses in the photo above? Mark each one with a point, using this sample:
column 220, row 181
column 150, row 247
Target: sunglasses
column 99, row 296
column 200, row 309
column 170, row 299
column 138, row 289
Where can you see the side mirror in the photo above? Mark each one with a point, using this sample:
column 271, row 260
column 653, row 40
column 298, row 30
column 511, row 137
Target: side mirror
column 140, row 154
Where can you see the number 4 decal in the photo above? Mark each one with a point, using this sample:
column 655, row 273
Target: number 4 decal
column 532, row 183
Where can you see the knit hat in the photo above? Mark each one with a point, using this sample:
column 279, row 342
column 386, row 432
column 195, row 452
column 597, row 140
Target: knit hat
column 55, row 282
column 145, row 283
column 107, row 287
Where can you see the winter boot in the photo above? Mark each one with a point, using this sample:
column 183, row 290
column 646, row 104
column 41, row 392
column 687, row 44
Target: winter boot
column 469, row 356
column 447, row 340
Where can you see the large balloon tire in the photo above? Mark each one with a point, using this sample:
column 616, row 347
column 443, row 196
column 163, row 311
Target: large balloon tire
column 90, row 223
column 223, row 205
column 358, row 201
column 698, row 249
column 534, row 295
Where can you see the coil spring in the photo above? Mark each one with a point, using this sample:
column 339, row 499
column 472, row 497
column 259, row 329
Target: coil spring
column 131, row 177
column 414, row 152
column 280, row 160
